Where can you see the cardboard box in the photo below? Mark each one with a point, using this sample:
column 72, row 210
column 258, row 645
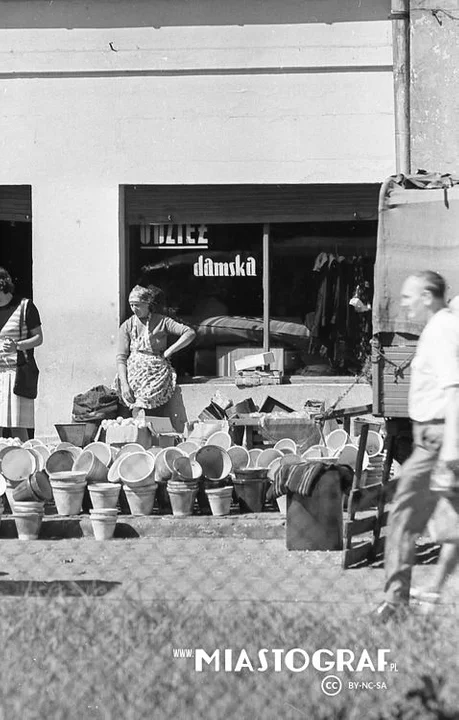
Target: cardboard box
column 122, row 434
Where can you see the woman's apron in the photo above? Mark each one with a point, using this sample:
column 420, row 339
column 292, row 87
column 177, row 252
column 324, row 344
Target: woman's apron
column 151, row 377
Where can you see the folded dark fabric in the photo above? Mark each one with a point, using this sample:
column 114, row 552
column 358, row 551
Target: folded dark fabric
column 302, row 477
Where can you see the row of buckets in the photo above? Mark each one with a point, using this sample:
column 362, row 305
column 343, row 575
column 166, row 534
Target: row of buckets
column 215, row 474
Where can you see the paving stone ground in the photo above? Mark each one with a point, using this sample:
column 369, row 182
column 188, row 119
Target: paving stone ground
column 212, row 569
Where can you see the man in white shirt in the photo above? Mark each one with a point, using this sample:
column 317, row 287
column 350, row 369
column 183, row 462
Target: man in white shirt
column 433, row 406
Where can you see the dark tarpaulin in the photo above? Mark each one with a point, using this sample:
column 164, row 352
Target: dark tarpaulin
column 418, row 229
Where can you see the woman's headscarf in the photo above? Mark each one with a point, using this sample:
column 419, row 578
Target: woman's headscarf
column 148, row 294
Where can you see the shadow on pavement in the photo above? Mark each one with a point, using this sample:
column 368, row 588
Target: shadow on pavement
column 53, row 588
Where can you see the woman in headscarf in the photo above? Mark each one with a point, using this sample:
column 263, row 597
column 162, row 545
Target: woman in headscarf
column 146, row 376
column 20, row 330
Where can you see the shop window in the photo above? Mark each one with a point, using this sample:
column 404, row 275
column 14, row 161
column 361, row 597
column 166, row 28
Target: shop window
column 211, row 276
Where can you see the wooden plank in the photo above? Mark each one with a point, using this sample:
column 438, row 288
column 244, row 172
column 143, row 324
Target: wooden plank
column 356, row 555
column 360, row 526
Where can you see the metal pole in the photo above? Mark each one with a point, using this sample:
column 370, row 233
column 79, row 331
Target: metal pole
column 400, row 17
column 266, row 287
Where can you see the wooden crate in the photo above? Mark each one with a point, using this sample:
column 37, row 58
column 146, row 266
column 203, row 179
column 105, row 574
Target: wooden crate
column 392, row 355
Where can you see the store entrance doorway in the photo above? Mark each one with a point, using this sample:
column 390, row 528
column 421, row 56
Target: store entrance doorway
column 16, row 235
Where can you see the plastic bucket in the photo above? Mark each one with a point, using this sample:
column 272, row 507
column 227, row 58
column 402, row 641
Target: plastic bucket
column 348, row 456
column 220, row 500
column 59, row 461
column 72, row 476
column 286, row 444
column 141, row 499
column 33, row 506
column 28, row 525
column 254, row 454
column 188, row 447
column 240, row 457
column 103, row 526
column 375, row 444
column 186, row 469
column 215, row 462
column 113, row 475
column 18, row 464
column 336, row 440
column 165, row 463
column 129, row 448
column 137, row 469
column 68, row 497
column 266, row 457
column 182, row 501
column 316, row 452
column 251, row 486
column 101, row 451
column 220, row 439
column 94, row 468
column 104, row 495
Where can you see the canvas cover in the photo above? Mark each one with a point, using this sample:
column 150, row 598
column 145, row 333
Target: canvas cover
column 418, row 229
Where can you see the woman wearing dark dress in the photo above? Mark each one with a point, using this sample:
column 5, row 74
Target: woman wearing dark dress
column 16, row 413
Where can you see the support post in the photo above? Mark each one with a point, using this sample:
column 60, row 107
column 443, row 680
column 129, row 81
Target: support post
column 400, row 17
column 266, row 288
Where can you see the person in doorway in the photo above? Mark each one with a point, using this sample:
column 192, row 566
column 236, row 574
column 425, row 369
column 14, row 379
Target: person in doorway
column 145, row 374
column 433, row 406
column 20, row 329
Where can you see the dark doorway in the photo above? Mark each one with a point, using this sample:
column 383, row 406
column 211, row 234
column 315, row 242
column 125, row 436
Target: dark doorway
column 16, row 235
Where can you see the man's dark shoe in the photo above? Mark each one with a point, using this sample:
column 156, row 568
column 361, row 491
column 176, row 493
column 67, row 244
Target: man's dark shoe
column 387, row 612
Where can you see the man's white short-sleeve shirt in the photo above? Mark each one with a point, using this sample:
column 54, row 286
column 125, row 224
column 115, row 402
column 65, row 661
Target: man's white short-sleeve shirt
column 435, row 367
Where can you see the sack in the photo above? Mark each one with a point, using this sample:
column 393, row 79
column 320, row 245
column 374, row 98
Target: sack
column 26, row 381
column 98, row 403
column 443, row 526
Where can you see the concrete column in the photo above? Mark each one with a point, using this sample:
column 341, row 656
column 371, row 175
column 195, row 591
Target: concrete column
column 76, row 287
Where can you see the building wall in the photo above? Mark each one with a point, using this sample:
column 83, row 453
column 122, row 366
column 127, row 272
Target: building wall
column 237, row 93
column 435, row 86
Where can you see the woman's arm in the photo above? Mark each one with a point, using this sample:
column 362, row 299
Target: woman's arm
column 185, row 339
column 124, row 342
column 35, row 339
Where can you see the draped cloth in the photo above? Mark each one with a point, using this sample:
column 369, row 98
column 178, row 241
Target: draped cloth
column 417, row 230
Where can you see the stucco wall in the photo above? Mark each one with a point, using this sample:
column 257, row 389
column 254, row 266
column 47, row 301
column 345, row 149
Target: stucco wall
column 435, row 86
column 88, row 109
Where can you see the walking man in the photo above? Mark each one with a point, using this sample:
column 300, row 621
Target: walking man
column 433, row 406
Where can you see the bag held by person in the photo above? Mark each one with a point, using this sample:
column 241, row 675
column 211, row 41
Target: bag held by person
column 26, row 381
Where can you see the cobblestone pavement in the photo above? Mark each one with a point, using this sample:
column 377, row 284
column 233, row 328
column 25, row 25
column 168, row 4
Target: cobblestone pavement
column 216, row 569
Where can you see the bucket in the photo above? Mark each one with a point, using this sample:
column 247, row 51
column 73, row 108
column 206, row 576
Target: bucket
column 101, row 451
column 28, row 525
column 336, row 440
column 17, row 464
column 59, row 461
column 220, row 439
column 239, row 456
column 286, row 445
column 267, row 456
column 79, row 434
column 188, row 447
column 39, row 459
column 141, row 499
column 129, row 448
column 103, row 526
column 220, row 500
column 137, row 469
column 215, row 462
column 104, row 495
column 113, row 475
column 68, row 497
column 375, row 443
column 186, row 470
column 21, row 508
column 37, row 487
column 165, row 463
column 251, row 487
column 94, row 468
column 254, row 454
column 182, row 501
column 316, row 452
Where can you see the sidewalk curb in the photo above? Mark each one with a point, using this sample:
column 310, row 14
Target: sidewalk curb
column 256, row 526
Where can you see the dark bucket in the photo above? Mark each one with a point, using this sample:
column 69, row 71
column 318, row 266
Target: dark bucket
column 251, row 486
